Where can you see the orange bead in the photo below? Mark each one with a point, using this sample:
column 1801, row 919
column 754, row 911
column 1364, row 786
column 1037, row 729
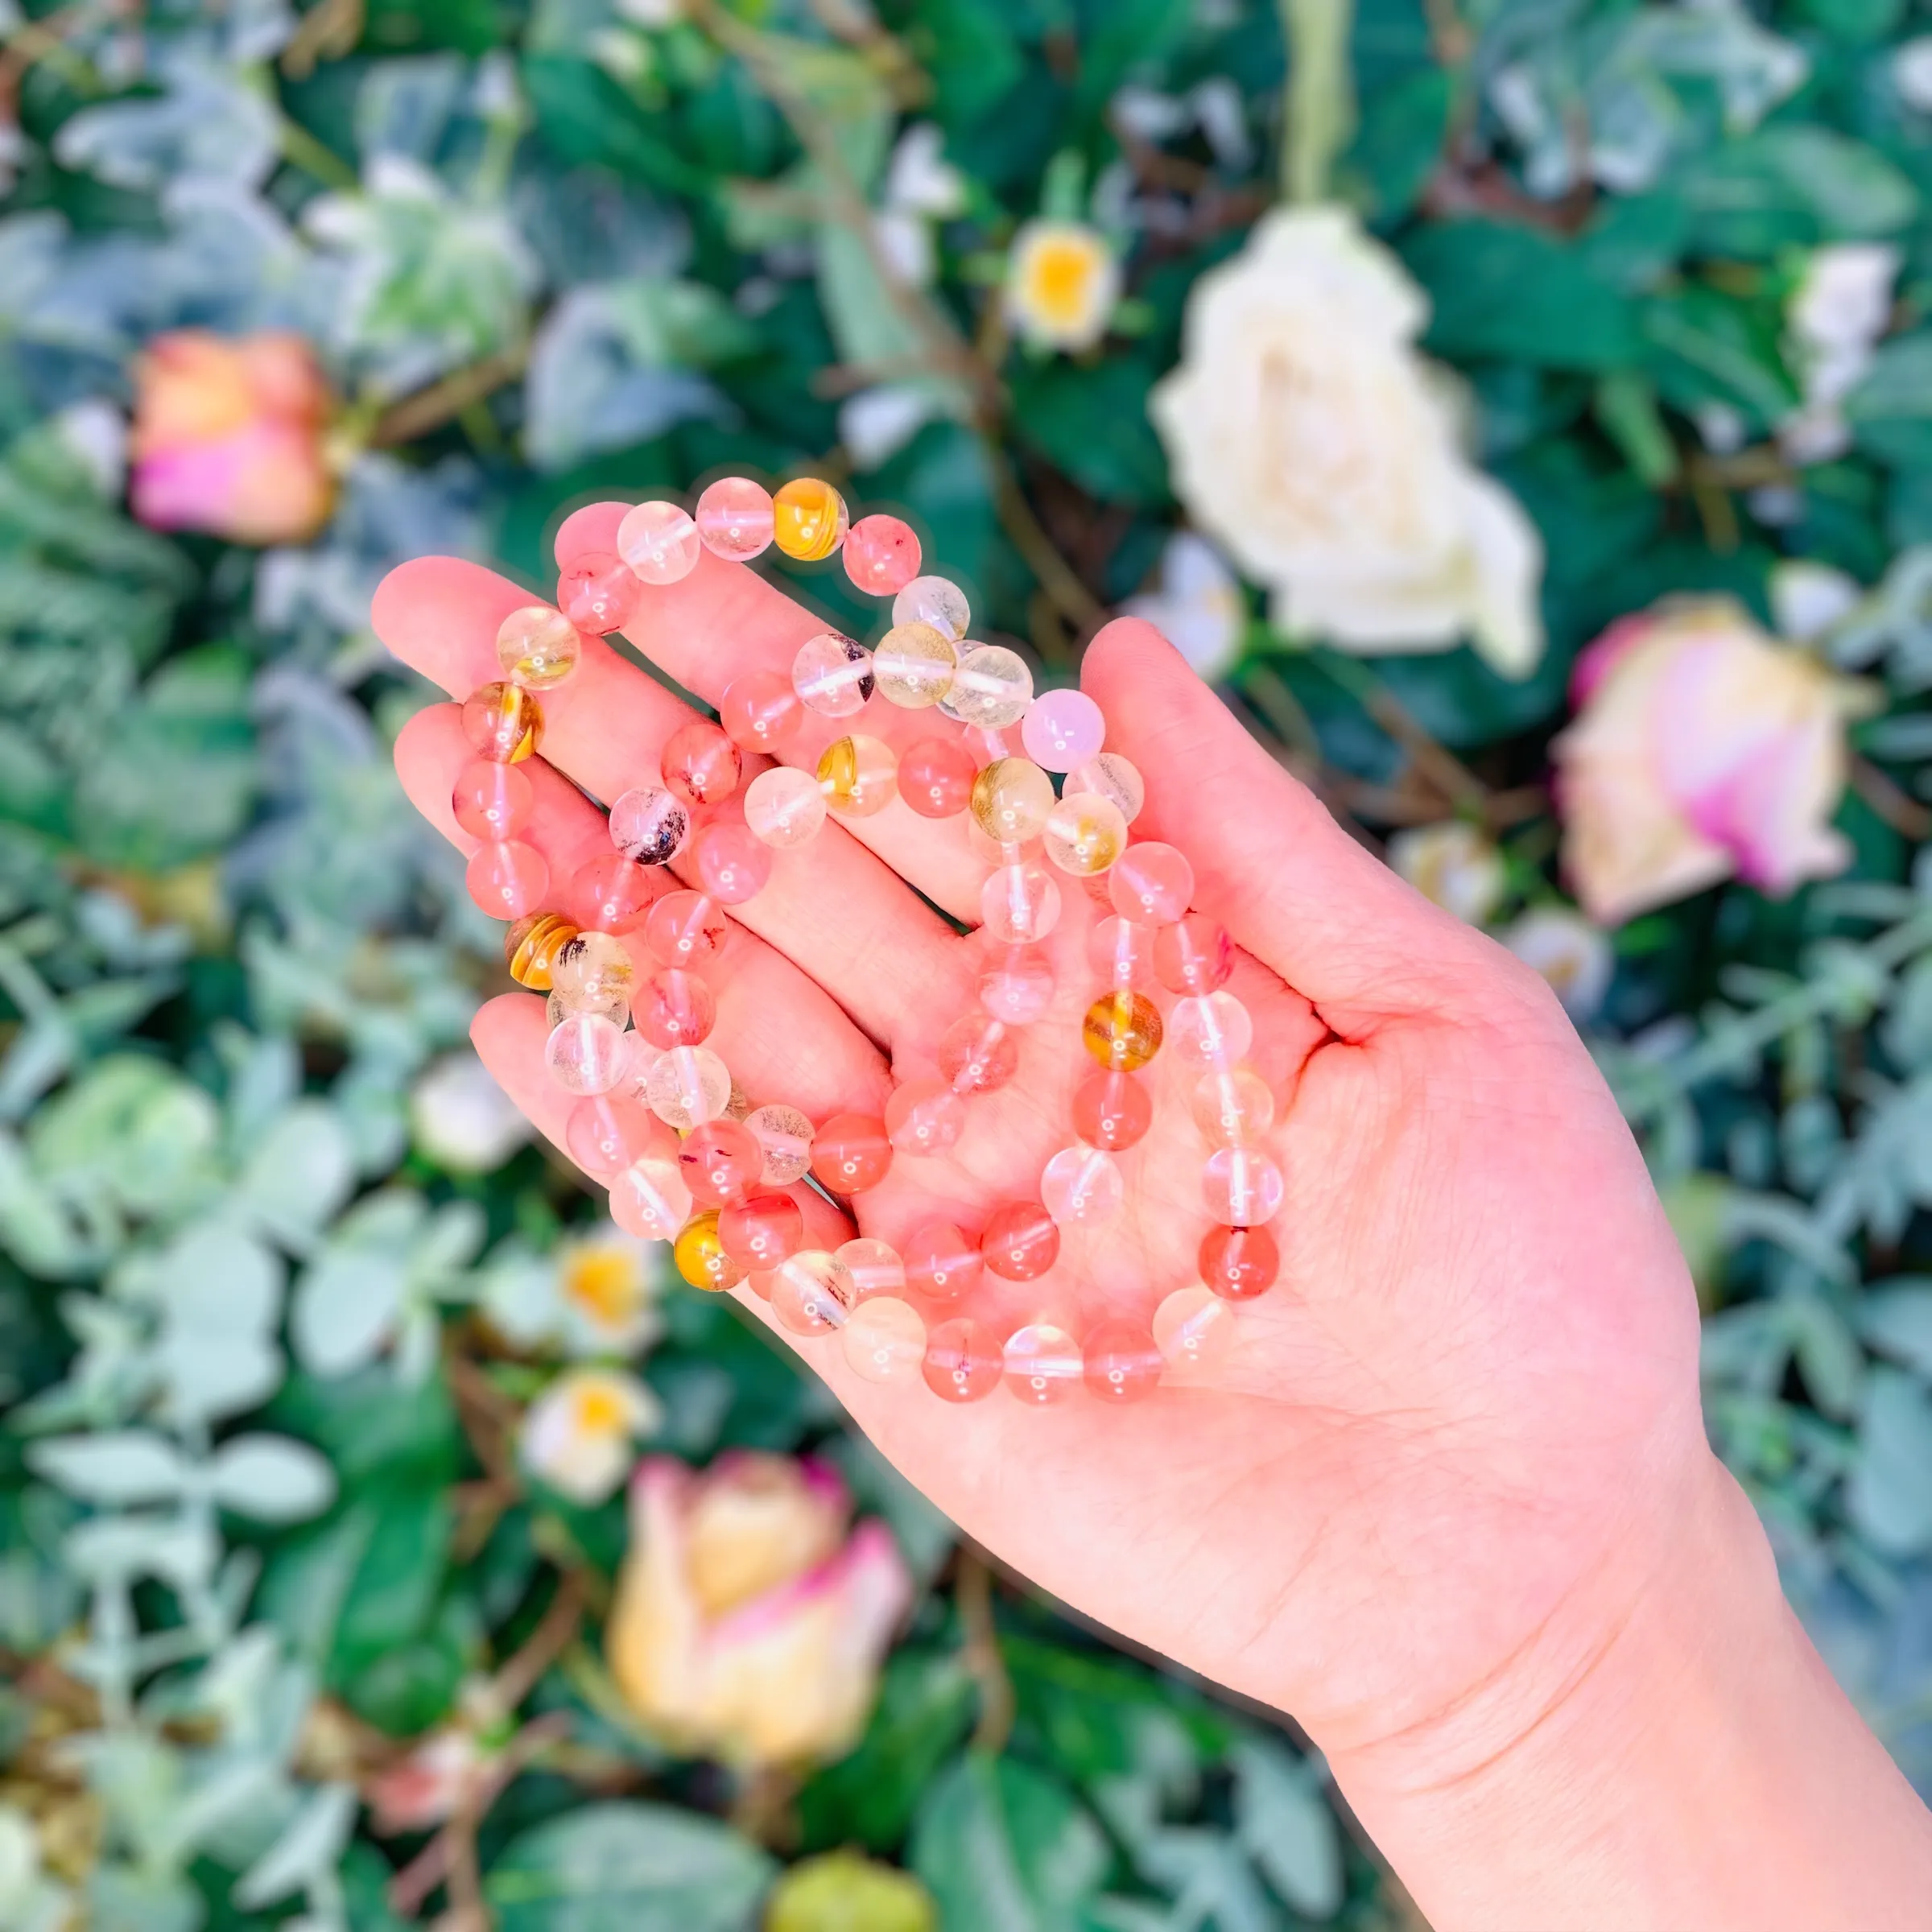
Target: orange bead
column 1239, row 1263
column 851, row 1152
column 531, row 946
column 963, row 1361
column 699, row 1253
column 943, row 1262
column 1020, row 1241
column 503, row 721
column 1122, row 1031
column 808, row 518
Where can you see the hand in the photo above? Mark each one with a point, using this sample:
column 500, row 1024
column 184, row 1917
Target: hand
column 1458, row 1447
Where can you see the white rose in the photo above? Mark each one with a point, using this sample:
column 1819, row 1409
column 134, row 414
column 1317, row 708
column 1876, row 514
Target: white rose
column 1308, row 437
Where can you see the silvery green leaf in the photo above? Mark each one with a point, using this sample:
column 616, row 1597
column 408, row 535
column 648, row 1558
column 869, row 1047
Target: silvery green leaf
column 1286, row 1825
column 127, row 1898
column 417, row 1342
column 119, row 1467
column 1827, row 1353
column 213, row 1276
column 1888, row 1496
column 132, row 1127
column 1896, row 1319
column 207, row 1376
column 119, row 1546
column 207, row 122
column 346, row 1305
column 404, row 106
column 29, row 1899
column 307, row 1851
column 42, row 1232
column 271, row 1478
column 301, row 1173
column 453, row 1240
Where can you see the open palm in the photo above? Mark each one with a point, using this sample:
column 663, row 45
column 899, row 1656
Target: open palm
column 1477, row 1369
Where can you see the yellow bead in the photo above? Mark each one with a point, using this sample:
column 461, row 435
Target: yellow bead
column 699, row 1253
column 808, row 519
column 1084, row 834
column 858, row 775
column 1011, row 799
column 913, row 664
column 1122, row 1031
column 538, row 647
column 531, row 946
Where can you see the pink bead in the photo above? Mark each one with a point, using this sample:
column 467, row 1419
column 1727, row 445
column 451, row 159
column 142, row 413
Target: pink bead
column 1020, row 1241
column 963, row 1361
column 935, row 778
column 942, row 1262
column 924, row 1116
column 651, row 1198
column 761, row 1231
column 611, row 894
column 659, row 542
column 1122, row 952
column 684, row 927
column 492, row 801
column 700, row 763
column 734, row 518
column 1194, row 955
column 1112, row 1110
column 1083, row 1184
column 1043, row 1363
column 1123, row 1363
column 1016, row 984
column 719, row 1161
column 1061, row 729
column 673, row 1008
column 1241, row 1186
column 732, row 864
column 881, row 555
column 608, row 1131
column 977, row 1054
column 1152, row 882
column 760, row 710
column 599, row 593
column 508, row 878
column 850, row 1153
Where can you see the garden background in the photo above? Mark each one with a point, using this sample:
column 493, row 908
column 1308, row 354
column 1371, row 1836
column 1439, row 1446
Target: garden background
column 1389, row 359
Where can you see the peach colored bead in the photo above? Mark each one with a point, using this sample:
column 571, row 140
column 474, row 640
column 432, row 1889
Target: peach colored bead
column 1193, row 954
column 942, row 1261
column 700, row 763
column 734, row 518
column 875, row 1267
column 1019, row 903
column 649, row 1198
column 760, row 1231
column 812, row 1292
column 1123, row 1363
column 808, row 518
column 784, row 807
column 503, row 721
column 851, row 1153
column 732, row 863
column 884, row 1341
column 508, row 878
column 963, row 1361
column 760, row 710
column 612, row 894
column 935, row 778
column 1194, row 1330
column 1112, row 1110
column 881, row 555
column 1152, row 882
column 599, row 593
column 720, row 1160
column 1082, row 1184
column 1232, row 1106
column 659, row 541
column 674, row 1008
column 1016, row 984
column 785, row 1136
column 492, row 801
column 1043, row 1363
column 978, row 1053
column 924, row 1116
column 1239, row 1263
column 685, row 927
column 1020, row 1241
column 538, row 647
column 607, row 1131
column 1062, row 729
column 1241, row 1186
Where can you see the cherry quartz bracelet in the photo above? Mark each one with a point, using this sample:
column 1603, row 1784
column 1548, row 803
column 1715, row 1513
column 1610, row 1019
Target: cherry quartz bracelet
column 620, row 951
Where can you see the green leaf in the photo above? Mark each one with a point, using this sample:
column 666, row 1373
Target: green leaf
column 121, row 1467
column 1705, row 346
column 1400, row 141
column 272, row 1479
column 1793, row 184
column 1091, row 423
column 629, row 1868
column 1888, row 1496
column 1890, row 411
column 585, row 116
column 841, row 1892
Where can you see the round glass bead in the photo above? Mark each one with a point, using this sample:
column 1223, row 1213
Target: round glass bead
column 1151, row 882
column 850, row 1153
column 1084, row 834
column 924, row 1116
column 914, row 665
column 734, row 518
column 978, row 1053
column 586, row 1054
column 760, row 710
column 784, row 807
column 674, row 1008
column 612, row 894
column 648, row 826
column 1122, row 1030
column 1011, row 799
column 684, row 928
column 1232, row 1106
column 1193, row 954
column 1016, row 984
column 812, row 1292
column 687, row 1086
column 608, row 1131
column 1211, row 1030
column 991, row 688
column 1241, row 1186
column 557, row 1009
column 808, row 518
column 719, row 1161
column 732, row 863
column 700, row 763
column 881, row 555
column 531, row 946
column 1123, row 1362
column 1083, row 1184
column 491, row 800
column 760, row 1231
column 884, row 1341
column 1043, row 1363
column 935, row 601
column 963, row 1361
column 538, row 647
column 1239, row 1263
column 1062, row 730
column 1112, row 778
column 1112, row 1110
column 875, row 1267
column 659, row 541
column 1020, row 1241
column 503, row 721
column 859, row 776
column 599, row 593
column 785, row 1136
column 699, row 1253
column 935, row 778
column 1194, row 1330
column 592, row 970
column 1019, row 903
column 942, row 1261
column 832, row 674
column 649, row 1198
column 508, row 878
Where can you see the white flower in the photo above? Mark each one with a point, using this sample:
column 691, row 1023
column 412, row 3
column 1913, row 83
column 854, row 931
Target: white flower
column 921, row 186
column 876, row 424
column 1309, row 438
column 1061, row 283
column 1808, row 598
column 1836, row 313
column 1571, row 954
column 578, row 1433
column 1456, row 865
column 30, row 1901
column 462, row 1120
column 1912, row 73
column 1199, row 608
column 597, row 1296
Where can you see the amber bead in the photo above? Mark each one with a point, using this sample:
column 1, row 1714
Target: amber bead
column 1122, row 1031
column 503, row 721
column 859, row 776
column 1239, row 1263
column 1020, row 1241
column 808, row 518
column 531, row 946
column 700, row 1255
column 851, row 1152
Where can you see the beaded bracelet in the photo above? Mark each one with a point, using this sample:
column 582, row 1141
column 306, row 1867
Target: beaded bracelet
column 685, row 1155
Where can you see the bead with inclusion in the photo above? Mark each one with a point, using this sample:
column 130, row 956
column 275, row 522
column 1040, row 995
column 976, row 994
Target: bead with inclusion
column 1011, row 799
column 808, row 518
column 1111, row 777
column 832, row 674
column 812, row 1292
column 859, row 775
column 612, row 894
column 688, row 1086
column 1122, row 1030
column 881, row 554
column 1084, row 834
column 914, row 665
column 592, row 970
column 659, row 541
column 684, row 928
column 586, row 1054
column 538, row 647
column 648, row 826
column 531, row 946
column 991, row 688
column 935, row 601
column 699, row 764
column 963, row 1361
column 503, row 721
column 785, row 1135
column 599, row 593
column 761, row 1230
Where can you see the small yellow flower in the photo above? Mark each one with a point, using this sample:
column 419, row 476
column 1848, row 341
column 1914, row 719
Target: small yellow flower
column 607, row 1289
column 1061, row 283
column 577, row 1436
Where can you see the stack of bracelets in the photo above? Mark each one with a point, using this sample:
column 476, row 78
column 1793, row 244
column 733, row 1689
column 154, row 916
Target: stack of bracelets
column 687, row 1158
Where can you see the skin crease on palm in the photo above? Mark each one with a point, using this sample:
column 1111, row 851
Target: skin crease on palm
column 1458, row 1440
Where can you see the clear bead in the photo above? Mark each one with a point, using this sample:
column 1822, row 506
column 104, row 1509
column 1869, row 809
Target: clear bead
column 586, row 1054
column 1082, row 1184
column 875, row 1267
column 832, row 674
column 1043, row 1363
column 538, row 647
column 1241, row 1186
column 784, row 807
column 1019, row 904
column 991, row 688
column 659, row 541
column 1232, row 1105
column 785, row 1134
column 884, row 1340
column 913, row 664
column 1084, row 834
column 1112, row 778
column 934, row 601
column 1193, row 1329
column 688, row 1087
column 1211, row 1030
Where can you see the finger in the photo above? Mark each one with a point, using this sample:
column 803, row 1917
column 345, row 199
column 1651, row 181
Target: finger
column 1268, row 862
column 606, row 727
column 723, row 620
